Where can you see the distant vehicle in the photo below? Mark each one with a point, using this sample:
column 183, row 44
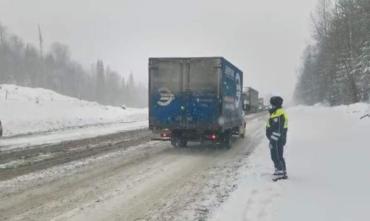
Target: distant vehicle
column 261, row 104
column 250, row 100
column 123, row 107
column 195, row 99
column 1, row 129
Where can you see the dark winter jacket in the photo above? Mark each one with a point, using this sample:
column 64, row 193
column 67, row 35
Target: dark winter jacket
column 277, row 126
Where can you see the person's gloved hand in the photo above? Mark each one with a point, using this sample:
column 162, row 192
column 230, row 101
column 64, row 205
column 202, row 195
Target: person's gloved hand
column 283, row 141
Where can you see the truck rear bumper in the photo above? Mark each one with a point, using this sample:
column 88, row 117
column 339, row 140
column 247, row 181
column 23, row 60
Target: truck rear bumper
column 162, row 135
column 212, row 136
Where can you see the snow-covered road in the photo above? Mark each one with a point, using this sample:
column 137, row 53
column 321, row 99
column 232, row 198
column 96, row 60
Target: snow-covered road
column 70, row 134
column 327, row 156
column 152, row 181
column 15, row 162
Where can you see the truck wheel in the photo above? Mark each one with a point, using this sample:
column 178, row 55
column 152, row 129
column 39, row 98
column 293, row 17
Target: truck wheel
column 226, row 140
column 242, row 131
column 175, row 142
column 183, row 143
column 179, row 142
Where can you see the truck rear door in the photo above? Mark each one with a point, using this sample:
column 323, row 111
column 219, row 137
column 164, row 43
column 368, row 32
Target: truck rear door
column 165, row 87
column 203, row 87
column 184, row 92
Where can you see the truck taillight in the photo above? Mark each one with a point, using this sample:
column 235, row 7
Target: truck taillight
column 212, row 137
column 165, row 133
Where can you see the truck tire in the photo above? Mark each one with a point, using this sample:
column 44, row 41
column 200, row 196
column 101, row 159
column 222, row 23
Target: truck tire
column 175, row 141
column 226, row 140
column 179, row 142
column 183, row 143
column 242, row 131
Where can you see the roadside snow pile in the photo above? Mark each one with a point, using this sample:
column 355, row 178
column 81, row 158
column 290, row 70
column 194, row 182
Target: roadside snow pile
column 30, row 110
column 327, row 154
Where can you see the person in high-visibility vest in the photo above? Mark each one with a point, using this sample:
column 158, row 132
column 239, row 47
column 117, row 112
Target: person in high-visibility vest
column 276, row 132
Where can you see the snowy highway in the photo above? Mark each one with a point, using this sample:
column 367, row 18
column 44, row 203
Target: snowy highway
column 184, row 110
column 151, row 180
column 17, row 160
column 148, row 181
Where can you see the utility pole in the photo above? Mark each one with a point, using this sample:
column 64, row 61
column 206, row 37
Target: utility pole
column 41, row 41
column 43, row 79
column 2, row 34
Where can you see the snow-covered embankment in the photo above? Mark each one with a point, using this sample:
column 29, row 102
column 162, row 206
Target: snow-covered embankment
column 32, row 110
column 327, row 154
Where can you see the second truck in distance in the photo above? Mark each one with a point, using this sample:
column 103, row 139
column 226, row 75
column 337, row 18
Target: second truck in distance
column 250, row 100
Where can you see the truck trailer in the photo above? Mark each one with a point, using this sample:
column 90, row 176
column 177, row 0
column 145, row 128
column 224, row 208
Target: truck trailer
column 195, row 99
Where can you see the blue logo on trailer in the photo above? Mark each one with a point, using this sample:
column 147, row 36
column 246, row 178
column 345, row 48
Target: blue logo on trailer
column 166, row 97
column 185, row 109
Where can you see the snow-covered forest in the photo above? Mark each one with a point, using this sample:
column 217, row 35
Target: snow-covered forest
column 27, row 65
column 336, row 65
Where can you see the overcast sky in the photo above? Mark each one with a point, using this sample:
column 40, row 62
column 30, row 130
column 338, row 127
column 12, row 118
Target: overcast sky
column 264, row 38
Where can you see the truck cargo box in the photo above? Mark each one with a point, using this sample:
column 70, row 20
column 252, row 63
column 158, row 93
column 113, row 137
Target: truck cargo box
column 194, row 94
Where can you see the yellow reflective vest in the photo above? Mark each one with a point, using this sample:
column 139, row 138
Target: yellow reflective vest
column 277, row 126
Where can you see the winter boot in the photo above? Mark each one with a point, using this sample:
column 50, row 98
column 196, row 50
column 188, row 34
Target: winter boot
column 285, row 173
column 279, row 175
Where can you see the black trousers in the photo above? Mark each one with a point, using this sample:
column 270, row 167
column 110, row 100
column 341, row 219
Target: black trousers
column 277, row 155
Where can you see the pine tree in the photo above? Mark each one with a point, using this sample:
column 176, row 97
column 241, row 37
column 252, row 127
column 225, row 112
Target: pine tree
column 25, row 65
column 341, row 55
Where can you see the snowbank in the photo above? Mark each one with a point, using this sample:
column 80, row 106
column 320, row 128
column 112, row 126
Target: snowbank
column 31, row 110
column 327, row 154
